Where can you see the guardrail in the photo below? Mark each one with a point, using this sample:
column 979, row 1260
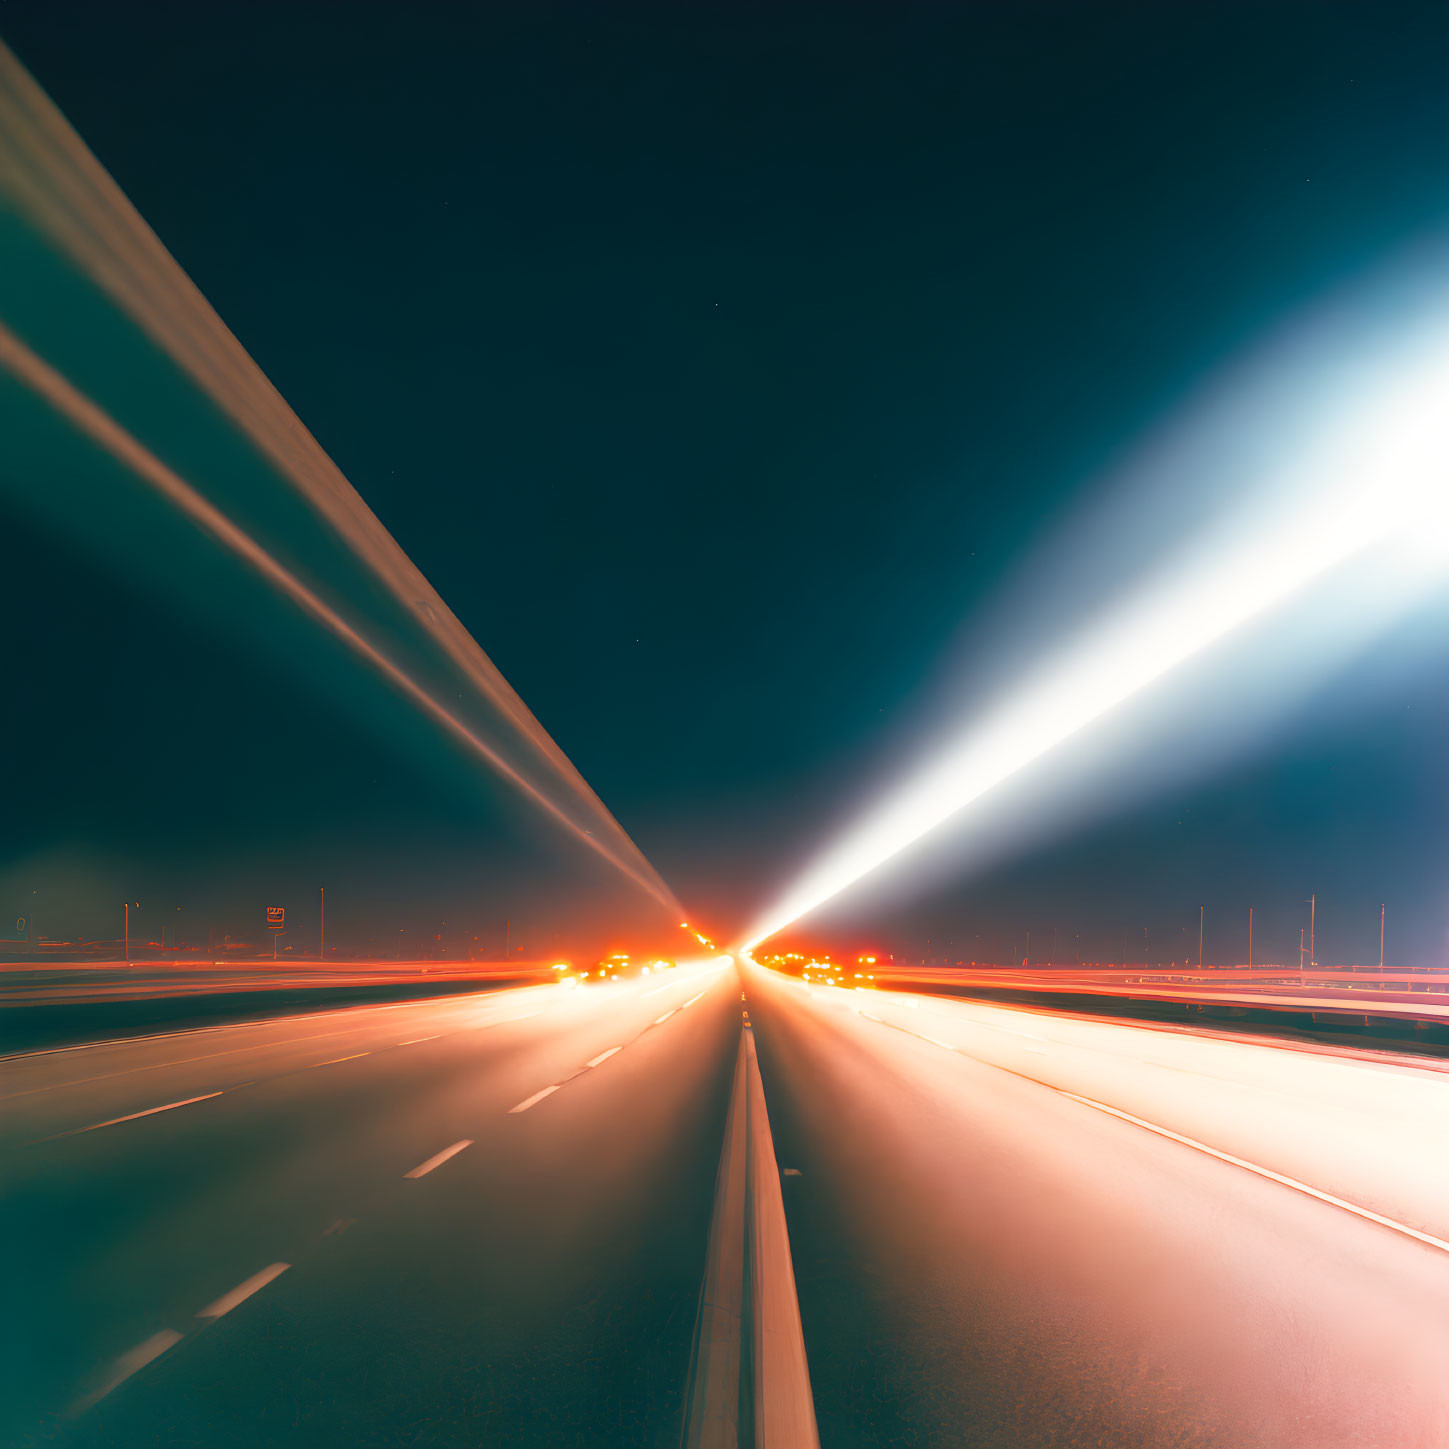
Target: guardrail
column 1404, row 995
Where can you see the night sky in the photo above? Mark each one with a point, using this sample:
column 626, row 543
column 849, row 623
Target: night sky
column 718, row 365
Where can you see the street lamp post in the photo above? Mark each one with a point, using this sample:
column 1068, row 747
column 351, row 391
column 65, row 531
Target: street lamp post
column 322, row 923
column 128, row 930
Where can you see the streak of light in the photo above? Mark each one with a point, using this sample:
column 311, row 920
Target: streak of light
column 51, row 177
column 1369, row 481
column 1281, row 1178
column 1356, row 1129
column 102, row 429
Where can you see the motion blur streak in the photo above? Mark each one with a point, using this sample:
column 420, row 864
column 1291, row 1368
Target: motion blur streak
column 37, row 374
column 52, row 179
column 1364, row 482
column 562, row 1245
column 1132, row 1287
column 1361, row 1132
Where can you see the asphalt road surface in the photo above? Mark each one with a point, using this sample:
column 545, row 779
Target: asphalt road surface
column 538, row 1286
column 994, row 1247
column 379, row 1226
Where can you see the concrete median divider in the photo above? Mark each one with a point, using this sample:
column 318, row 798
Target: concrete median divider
column 749, row 1379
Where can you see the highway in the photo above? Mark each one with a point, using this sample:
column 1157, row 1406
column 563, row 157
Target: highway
column 539, row 1285
column 998, row 1243
column 484, row 1219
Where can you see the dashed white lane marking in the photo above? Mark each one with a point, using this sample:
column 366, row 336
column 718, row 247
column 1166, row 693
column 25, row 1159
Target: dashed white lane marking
column 132, row 1116
column 694, row 998
column 537, row 1097
column 418, row 1039
column 128, row 1364
column 243, row 1291
column 438, row 1158
column 655, row 990
column 332, row 1061
column 660, row 1020
column 603, row 1056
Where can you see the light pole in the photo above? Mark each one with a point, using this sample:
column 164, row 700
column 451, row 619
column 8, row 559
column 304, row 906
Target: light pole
column 128, row 930
column 1312, row 916
column 1199, row 938
column 1381, row 936
column 321, row 923
column 1250, row 938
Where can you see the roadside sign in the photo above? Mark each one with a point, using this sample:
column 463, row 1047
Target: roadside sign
column 14, row 928
column 276, row 917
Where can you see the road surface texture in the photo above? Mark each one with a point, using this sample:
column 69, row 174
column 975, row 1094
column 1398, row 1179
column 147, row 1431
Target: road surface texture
column 994, row 1247
column 484, row 1219
column 376, row 1225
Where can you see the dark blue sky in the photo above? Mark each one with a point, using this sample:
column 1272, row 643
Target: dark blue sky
column 716, row 364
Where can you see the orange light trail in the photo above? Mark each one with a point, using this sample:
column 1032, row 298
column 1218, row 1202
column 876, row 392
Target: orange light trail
column 51, row 177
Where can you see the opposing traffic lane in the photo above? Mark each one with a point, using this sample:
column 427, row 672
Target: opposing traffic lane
column 984, row 1259
column 132, row 1230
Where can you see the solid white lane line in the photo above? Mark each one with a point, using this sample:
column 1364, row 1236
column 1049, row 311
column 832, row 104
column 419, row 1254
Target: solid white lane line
column 438, row 1158
column 934, row 1040
column 528, row 1102
column 660, row 1020
column 131, row 1116
column 128, row 1364
column 1284, row 1181
column 243, row 1291
column 603, row 1056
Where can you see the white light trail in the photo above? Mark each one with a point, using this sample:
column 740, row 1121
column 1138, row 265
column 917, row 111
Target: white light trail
column 1375, row 476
